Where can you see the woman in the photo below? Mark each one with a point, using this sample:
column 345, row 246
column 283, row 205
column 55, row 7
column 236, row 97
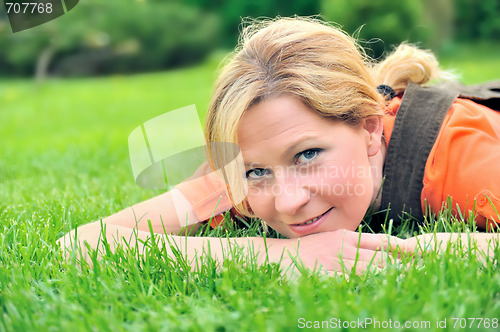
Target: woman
column 300, row 100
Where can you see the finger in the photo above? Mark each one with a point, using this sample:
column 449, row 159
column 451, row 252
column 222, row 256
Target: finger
column 376, row 250
column 356, row 253
column 381, row 259
column 420, row 244
column 368, row 257
column 379, row 241
column 376, row 241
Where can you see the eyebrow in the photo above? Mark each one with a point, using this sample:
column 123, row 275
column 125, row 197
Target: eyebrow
column 251, row 164
column 291, row 148
column 298, row 143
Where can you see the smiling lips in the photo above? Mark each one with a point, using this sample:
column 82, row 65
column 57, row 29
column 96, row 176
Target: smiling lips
column 311, row 225
column 310, row 221
column 313, row 219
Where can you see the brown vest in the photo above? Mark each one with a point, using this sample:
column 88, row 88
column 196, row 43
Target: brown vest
column 416, row 127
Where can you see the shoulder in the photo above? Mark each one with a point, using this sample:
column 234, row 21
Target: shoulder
column 390, row 117
column 469, row 115
column 463, row 162
column 463, row 112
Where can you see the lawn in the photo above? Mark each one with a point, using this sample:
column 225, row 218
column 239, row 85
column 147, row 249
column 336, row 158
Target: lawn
column 65, row 163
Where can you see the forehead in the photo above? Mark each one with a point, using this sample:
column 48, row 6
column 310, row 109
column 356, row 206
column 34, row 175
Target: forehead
column 278, row 121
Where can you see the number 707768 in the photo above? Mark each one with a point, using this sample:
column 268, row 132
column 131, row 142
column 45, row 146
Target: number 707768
column 28, row 7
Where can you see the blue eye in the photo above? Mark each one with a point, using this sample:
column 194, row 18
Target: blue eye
column 306, row 156
column 256, row 173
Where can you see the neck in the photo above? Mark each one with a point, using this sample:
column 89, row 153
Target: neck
column 377, row 167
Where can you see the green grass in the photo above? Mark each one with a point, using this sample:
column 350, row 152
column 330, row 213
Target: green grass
column 473, row 63
column 65, row 163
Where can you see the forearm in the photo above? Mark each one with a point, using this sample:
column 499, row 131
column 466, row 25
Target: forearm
column 195, row 200
column 167, row 213
column 96, row 234
column 329, row 251
column 485, row 243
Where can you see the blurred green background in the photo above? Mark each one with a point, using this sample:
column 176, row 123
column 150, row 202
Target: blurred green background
column 107, row 66
column 72, row 90
column 124, row 36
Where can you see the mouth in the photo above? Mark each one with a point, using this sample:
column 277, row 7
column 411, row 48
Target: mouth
column 313, row 220
column 311, row 225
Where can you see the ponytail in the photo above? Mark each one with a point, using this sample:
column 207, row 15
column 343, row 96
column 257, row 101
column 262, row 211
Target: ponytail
column 408, row 64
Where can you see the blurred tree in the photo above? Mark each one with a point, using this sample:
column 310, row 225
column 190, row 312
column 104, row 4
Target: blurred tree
column 109, row 36
column 430, row 22
column 477, row 20
column 232, row 12
column 439, row 16
column 379, row 23
column 100, row 37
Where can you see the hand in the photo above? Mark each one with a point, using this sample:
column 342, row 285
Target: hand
column 91, row 236
column 336, row 252
column 485, row 244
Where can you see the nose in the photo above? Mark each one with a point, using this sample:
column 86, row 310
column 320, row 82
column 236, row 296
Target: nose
column 290, row 195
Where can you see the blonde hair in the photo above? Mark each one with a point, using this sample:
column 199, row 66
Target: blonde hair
column 408, row 64
column 313, row 61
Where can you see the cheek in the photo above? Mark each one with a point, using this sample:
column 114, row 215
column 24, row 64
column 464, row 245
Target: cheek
column 263, row 207
column 346, row 178
column 260, row 203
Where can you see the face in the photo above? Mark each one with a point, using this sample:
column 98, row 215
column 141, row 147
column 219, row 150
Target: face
column 307, row 174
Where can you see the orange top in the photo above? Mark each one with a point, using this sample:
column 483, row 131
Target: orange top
column 464, row 163
column 207, row 194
